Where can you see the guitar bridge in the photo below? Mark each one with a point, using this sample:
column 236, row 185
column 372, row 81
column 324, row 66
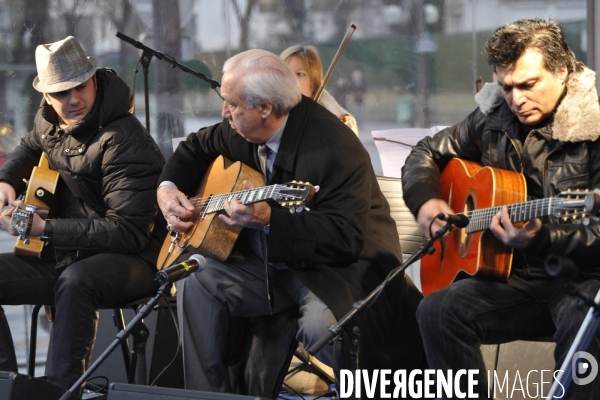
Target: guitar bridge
column 174, row 239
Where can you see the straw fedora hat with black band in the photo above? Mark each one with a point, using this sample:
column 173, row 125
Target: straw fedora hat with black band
column 62, row 65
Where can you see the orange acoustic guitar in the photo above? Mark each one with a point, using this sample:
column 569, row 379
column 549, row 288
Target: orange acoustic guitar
column 479, row 193
column 42, row 180
column 224, row 181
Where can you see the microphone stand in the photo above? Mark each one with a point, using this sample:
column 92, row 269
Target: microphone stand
column 361, row 305
column 147, row 54
column 580, row 344
column 121, row 336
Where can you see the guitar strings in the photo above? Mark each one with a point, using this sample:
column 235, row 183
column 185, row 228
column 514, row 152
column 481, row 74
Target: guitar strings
column 481, row 219
column 216, row 202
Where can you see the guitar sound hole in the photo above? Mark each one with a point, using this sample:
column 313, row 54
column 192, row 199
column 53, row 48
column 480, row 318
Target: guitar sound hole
column 465, row 239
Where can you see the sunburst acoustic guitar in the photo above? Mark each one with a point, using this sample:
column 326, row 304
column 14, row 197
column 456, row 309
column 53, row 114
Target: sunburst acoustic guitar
column 224, row 181
column 479, row 193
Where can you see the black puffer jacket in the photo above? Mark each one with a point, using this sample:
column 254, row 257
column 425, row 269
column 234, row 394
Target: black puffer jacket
column 109, row 167
column 563, row 154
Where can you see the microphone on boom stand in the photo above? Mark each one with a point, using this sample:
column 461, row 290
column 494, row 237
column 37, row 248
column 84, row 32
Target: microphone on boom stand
column 181, row 270
column 458, row 220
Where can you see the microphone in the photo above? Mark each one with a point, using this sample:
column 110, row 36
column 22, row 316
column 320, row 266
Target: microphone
column 458, row 220
column 182, row 270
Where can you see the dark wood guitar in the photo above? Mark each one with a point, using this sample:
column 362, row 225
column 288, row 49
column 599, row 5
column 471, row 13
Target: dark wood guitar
column 42, row 179
column 224, row 181
column 479, row 193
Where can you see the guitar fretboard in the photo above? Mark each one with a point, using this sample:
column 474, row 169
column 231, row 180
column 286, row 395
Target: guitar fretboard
column 216, row 203
column 480, row 220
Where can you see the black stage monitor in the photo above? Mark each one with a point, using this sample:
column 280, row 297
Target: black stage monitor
column 15, row 386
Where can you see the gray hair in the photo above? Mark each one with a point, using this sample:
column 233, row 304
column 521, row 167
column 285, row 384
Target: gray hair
column 265, row 77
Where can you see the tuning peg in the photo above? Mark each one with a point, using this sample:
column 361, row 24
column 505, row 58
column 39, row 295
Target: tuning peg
column 292, row 210
column 299, row 209
column 306, row 208
column 317, row 188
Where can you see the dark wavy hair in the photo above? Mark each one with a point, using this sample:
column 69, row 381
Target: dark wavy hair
column 509, row 43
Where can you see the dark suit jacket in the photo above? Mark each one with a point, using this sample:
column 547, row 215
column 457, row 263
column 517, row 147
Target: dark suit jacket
column 346, row 245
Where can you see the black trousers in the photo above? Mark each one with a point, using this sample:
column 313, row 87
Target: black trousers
column 77, row 291
column 456, row 320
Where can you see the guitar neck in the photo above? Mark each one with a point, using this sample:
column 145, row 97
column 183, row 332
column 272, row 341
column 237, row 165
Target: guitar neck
column 216, row 203
column 480, row 220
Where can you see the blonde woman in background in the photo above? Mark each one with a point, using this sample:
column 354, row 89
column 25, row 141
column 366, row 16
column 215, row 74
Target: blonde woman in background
column 306, row 64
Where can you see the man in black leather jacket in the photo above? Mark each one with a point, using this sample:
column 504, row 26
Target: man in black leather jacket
column 541, row 118
column 100, row 248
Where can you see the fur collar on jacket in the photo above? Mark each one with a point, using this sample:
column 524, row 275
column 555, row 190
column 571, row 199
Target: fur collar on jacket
column 577, row 117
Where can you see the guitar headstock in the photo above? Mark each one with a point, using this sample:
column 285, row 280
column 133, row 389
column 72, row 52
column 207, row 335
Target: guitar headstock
column 577, row 205
column 21, row 221
column 295, row 195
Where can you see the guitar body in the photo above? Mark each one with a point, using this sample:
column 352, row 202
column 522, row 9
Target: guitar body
column 466, row 185
column 42, row 178
column 212, row 237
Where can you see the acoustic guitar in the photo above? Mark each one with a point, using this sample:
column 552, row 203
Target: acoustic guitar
column 43, row 182
column 224, row 181
column 479, row 193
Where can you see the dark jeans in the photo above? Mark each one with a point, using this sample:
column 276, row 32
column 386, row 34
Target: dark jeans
column 455, row 321
column 78, row 291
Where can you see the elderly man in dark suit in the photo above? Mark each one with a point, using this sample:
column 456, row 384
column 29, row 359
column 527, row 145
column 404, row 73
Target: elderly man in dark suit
column 319, row 262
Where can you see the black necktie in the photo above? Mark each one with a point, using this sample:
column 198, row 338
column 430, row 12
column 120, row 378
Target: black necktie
column 263, row 158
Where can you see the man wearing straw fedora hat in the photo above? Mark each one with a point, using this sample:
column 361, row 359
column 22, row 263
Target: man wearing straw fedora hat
column 100, row 239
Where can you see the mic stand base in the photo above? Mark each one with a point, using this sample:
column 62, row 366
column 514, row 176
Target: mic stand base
column 121, row 336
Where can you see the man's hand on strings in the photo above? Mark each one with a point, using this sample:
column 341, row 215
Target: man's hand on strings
column 254, row 216
column 176, row 208
column 513, row 235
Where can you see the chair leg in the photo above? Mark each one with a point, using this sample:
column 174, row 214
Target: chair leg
column 134, row 356
column 140, row 336
column 128, row 356
column 33, row 340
